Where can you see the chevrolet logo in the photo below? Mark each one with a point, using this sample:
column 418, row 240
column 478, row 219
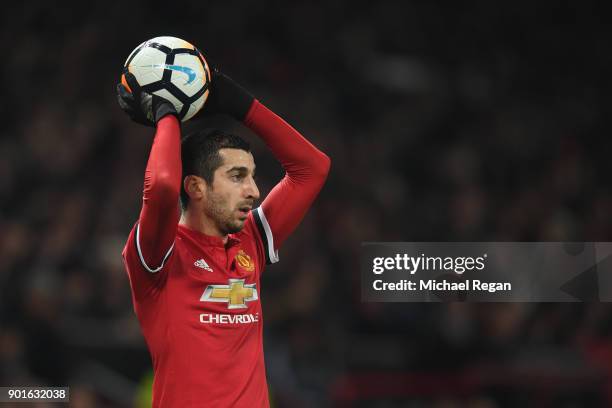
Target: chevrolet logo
column 236, row 294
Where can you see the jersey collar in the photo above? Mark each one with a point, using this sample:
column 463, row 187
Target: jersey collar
column 209, row 239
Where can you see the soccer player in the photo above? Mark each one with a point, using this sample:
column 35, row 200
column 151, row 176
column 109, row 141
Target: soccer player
column 195, row 280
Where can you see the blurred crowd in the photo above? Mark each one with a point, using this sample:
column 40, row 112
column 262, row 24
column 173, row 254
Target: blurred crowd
column 471, row 121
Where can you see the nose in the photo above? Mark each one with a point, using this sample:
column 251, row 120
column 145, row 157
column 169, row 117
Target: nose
column 251, row 189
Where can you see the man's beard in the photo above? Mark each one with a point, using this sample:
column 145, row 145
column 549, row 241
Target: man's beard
column 222, row 215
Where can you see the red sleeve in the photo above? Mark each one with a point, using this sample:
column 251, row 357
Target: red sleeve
column 306, row 169
column 157, row 224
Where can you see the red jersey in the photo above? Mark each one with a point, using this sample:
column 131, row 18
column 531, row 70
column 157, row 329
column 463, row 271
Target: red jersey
column 197, row 298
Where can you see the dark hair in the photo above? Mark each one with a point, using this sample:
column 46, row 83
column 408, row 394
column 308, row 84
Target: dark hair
column 200, row 155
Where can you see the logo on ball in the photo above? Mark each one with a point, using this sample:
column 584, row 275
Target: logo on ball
column 191, row 74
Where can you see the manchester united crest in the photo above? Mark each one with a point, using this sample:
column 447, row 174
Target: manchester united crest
column 245, row 261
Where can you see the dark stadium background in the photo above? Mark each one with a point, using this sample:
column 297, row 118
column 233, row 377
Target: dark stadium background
column 466, row 121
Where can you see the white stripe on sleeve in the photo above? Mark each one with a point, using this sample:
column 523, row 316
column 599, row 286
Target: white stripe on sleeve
column 142, row 261
column 272, row 254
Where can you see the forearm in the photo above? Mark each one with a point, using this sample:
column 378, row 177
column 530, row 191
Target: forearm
column 159, row 213
column 306, row 170
column 302, row 161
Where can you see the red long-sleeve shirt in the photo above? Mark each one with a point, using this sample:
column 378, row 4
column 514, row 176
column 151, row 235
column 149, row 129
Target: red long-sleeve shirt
column 196, row 297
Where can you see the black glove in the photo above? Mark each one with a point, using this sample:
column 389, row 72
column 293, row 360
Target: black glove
column 142, row 107
column 227, row 97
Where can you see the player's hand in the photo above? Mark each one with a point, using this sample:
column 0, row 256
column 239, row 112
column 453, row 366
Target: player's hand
column 142, row 107
column 226, row 96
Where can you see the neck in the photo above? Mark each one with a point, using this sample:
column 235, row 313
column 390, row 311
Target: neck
column 198, row 221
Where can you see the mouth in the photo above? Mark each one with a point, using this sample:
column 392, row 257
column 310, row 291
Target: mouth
column 244, row 211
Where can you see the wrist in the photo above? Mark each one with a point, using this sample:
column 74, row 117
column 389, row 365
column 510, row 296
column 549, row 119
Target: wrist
column 167, row 120
column 232, row 98
column 243, row 113
column 163, row 110
column 241, row 103
column 251, row 115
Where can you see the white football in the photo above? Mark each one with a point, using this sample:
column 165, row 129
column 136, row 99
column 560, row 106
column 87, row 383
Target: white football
column 173, row 69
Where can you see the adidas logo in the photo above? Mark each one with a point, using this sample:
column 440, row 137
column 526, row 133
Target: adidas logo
column 200, row 263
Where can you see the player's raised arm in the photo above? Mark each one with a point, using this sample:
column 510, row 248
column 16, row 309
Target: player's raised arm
column 157, row 224
column 306, row 171
column 306, row 167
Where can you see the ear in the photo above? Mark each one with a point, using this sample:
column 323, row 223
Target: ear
column 195, row 187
